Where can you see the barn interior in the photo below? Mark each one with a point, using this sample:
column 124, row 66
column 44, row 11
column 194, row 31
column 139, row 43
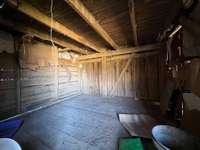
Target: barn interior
column 87, row 74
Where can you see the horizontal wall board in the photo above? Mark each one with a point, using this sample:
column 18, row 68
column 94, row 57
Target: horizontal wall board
column 7, row 85
column 37, row 79
column 36, row 98
column 29, row 91
column 39, row 82
column 8, row 94
column 68, row 80
column 69, row 94
column 66, row 85
column 69, row 83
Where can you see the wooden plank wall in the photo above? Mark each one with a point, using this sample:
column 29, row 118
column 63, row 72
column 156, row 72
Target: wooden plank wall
column 8, row 78
column 8, row 75
column 141, row 79
column 38, row 63
column 37, row 87
column 68, row 80
column 45, row 79
column 32, row 75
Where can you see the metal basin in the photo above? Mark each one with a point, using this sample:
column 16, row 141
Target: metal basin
column 170, row 138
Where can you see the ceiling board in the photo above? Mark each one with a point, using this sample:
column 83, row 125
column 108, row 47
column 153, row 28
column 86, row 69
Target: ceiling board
column 65, row 15
column 113, row 16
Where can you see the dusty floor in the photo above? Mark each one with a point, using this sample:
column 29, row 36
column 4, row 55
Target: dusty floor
column 82, row 123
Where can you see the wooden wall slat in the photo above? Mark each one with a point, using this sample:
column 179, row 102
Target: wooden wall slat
column 8, row 94
column 140, row 80
column 68, row 80
column 33, row 76
column 44, row 78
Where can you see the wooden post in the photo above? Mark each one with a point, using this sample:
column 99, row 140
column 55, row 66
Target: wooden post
column 18, row 89
column 104, row 76
column 18, row 76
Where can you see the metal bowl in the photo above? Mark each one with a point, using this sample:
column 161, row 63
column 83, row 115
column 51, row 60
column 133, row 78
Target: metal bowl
column 170, row 138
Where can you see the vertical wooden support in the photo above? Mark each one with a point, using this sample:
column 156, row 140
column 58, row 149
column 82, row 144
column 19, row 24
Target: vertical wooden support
column 135, row 74
column 18, row 81
column 55, row 67
column 80, row 76
column 18, row 75
column 104, row 77
column 117, row 76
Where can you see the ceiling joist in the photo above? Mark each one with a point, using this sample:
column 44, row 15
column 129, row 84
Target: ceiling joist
column 34, row 13
column 43, row 36
column 79, row 7
column 131, row 4
column 137, row 49
column 46, row 37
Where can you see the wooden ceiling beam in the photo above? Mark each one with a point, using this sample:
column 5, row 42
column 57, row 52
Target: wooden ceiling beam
column 34, row 13
column 46, row 37
column 137, row 49
column 131, row 5
column 120, row 57
column 79, row 7
column 43, row 36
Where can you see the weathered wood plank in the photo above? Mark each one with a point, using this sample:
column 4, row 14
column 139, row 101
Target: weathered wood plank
column 79, row 7
column 133, row 21
column 32, row 12
column 44, row 36
column 123, row 51
column 140, row 80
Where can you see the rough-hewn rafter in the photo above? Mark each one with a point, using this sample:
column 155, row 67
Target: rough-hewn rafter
column 79, row 7
column 44, row 36
column 33, row 32
column 32, row 12
column 133, row 21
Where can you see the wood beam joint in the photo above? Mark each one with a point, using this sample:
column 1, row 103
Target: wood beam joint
column 130, row 50
column 79, row 7
column 34, row 13
column 43, row 36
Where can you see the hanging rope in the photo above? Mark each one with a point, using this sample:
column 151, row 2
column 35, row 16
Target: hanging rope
column 51, row 28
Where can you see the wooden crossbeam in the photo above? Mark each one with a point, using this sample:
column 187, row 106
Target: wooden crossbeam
column 40, row 35
column 46, row 37
column 34, row 13
column 137, row 49
column 131, row 4
column 79, row 7
column 121, row 57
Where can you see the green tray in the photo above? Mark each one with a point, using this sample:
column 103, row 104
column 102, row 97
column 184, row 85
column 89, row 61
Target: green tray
column 136, row 143
column 130, row 144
